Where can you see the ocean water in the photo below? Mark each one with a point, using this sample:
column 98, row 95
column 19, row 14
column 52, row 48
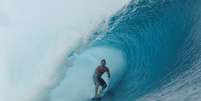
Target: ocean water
column 160, row 43
column 152, row 48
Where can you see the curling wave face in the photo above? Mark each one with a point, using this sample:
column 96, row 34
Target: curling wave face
column 152, row 35
column 151, row 38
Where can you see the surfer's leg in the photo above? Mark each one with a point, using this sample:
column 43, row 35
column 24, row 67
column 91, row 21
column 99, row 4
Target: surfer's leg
column 95, row 80
column 103, row 85
column 97, row 84
column 96, row 90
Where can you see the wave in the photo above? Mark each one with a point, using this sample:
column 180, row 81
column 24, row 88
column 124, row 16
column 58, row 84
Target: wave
column 151, row 35
column 147, row 45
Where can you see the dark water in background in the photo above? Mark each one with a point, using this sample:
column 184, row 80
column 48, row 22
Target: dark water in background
column 160, row 39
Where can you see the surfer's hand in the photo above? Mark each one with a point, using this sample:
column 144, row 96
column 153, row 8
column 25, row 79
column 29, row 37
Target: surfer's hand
column 108, row 76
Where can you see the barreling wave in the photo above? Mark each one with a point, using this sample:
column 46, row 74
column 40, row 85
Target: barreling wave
column 152, row 34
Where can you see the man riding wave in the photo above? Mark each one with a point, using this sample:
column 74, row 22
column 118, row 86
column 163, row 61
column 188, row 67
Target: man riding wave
column 97, row 77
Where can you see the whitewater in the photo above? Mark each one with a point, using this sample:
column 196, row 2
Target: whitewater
column 36, row 36
column 50, row 49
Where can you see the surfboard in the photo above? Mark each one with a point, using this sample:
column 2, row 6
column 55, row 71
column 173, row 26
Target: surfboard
column 96, row 99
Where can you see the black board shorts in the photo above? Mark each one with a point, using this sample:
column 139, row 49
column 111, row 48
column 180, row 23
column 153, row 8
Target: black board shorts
column 100, row 81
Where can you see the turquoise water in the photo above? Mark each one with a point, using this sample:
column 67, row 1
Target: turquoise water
column 147, row 44
column 151, row 34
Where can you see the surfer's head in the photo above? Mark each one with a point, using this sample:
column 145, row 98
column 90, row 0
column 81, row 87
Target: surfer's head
column 103, row 62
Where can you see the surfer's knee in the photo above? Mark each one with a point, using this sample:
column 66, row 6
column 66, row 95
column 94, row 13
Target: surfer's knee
column 104, row 86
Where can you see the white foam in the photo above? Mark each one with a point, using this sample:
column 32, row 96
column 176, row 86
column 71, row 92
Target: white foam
column 35, row 36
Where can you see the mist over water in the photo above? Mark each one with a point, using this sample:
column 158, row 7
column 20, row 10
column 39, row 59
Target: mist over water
column 35, row 38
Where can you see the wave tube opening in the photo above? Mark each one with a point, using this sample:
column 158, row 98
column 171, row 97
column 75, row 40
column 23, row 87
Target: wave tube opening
column 78, row 84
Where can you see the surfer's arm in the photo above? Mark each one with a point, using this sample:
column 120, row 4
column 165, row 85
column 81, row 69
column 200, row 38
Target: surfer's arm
column 108, row 72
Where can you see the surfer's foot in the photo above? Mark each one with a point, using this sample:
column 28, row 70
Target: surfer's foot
column 98, row 95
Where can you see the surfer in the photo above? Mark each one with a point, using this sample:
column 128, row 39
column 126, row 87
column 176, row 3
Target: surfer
column 98, row 81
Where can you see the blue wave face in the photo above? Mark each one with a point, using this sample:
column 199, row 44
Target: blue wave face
column 151, row 34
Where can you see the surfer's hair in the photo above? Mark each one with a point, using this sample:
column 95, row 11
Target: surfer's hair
column 103, row 60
